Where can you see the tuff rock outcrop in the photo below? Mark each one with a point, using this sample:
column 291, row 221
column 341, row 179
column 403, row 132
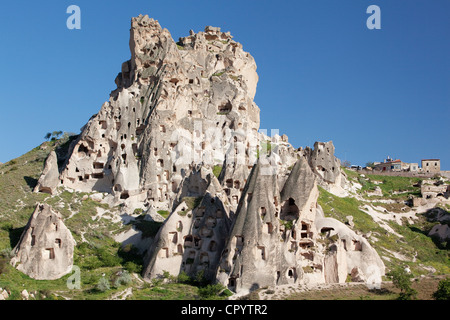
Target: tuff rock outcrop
column 193, row 236
column 176, row 105
column 282, row 237
column 45, row 248
column 49, row 180
column 183, row 112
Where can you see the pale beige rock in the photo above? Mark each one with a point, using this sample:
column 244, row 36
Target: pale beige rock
column 192, row 239
column 357, row 275
column 358, row 251
column 24, row 294
column 49, row 180
column 45, row 248
column 3, row 294
column 350, row 221
column 179, row 110
column 170, row 97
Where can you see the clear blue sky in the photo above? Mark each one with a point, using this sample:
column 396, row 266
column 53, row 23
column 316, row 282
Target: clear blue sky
column 323, row 74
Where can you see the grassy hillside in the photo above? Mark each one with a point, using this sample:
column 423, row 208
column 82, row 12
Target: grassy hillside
column 409, row 243
column 99, row 256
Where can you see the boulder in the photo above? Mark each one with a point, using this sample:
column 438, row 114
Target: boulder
column 49, row 180
column 440, row 232
column 98, row 197
column 24, row 294
column 45, row 248
column 350, row 221
column 3, row 294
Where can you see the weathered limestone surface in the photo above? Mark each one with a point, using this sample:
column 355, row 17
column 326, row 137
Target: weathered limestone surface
column 173, row 105
column 45, row 248
column 192, row 238
column 358, row 252
column 323, row 162
column 282, row 237
column 181, row 109
column 49, row 180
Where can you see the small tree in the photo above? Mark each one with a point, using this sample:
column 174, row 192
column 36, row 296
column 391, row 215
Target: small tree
column 370, row 165
column 123, row 279
column 443, row 291
column 56, row 134
column 346, row 164
column 103, row 284
column 402, row 280
column 183, row 278
column 48, row 136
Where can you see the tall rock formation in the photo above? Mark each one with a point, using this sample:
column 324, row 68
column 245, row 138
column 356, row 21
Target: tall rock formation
column 45, row 248
column 176, row 105
column 183, row 110
column 193, row 236
column 281, row 237
column 49, row 180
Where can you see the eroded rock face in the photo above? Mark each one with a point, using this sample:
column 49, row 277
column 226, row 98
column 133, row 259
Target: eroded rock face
column 323, row 161
column 179, row 111
column 176, row 105
column 281, row 237
column 193, row 236
column 49, row 180
column 355, row 251
column 45, row 248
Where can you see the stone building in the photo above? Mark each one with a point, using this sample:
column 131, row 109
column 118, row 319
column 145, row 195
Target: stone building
column 389, row 165
column 395, row 165
column 431, row 165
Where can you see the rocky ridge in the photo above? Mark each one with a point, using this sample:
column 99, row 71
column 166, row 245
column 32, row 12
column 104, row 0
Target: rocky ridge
column 181, row 110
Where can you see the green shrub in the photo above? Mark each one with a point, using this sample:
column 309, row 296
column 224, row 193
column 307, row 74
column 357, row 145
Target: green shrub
column 131, row 258
column 123, row 278
column 132, row 267
column 211, row 291
column 107, row 258
column 443, row 291
column 103, row 284
column 402, row 280
column 183, row 278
